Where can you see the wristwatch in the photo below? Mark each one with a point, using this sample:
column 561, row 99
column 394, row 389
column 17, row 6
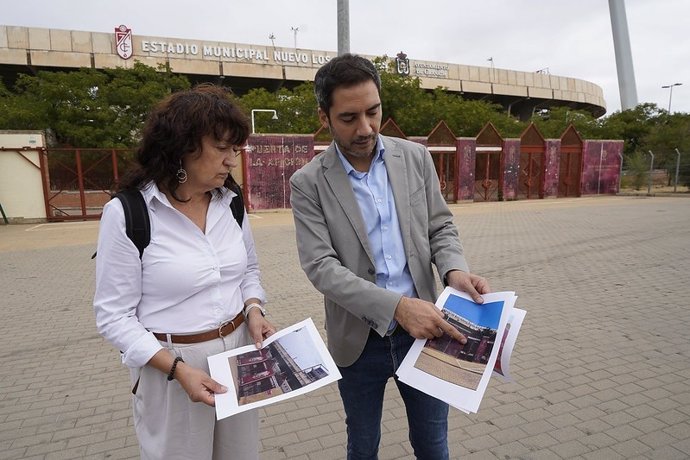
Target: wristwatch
column 251, row 306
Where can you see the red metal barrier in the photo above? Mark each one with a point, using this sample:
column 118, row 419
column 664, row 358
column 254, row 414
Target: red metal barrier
column 77, row 182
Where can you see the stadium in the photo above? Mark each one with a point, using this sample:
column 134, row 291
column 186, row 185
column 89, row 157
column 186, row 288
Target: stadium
column 66, row 184
column 244, row 66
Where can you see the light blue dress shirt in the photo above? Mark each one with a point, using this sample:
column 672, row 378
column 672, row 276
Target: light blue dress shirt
column 374, row 196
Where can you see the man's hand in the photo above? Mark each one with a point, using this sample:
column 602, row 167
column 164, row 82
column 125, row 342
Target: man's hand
column 423, row 320
column 474, row 285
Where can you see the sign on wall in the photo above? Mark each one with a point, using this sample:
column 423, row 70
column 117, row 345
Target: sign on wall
column 269, row 163
column 123, row 41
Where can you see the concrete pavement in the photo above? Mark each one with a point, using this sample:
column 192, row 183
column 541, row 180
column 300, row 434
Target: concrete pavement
column 601, row 366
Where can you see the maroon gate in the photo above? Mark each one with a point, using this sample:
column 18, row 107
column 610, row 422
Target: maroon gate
column 442, row 145
column 487, row 172
column 570, row 165
column 532, row 149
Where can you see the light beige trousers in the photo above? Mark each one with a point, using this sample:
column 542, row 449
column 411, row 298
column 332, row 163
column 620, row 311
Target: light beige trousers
column 170, row 426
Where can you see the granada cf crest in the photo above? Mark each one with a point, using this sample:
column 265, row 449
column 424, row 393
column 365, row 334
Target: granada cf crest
column 402, row 64
column 123, row 42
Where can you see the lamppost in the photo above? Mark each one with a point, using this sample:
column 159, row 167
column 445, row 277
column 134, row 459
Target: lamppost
column 294, row 31
column 670, row 94
column 274, row 117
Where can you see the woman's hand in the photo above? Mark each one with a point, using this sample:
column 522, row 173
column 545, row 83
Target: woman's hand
column 259, row 327
column 198, row 385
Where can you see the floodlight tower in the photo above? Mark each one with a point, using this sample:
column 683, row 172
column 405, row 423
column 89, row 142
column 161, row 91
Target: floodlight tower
column 343, row 27
column 621, row 46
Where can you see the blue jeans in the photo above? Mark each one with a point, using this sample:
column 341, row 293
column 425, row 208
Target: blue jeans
column 362, row 388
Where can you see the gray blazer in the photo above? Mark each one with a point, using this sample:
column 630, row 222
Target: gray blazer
column 334, row 251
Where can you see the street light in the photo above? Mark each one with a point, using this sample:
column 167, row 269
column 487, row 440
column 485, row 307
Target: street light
column 670, row 94
column 274, row 117
column 294, row 31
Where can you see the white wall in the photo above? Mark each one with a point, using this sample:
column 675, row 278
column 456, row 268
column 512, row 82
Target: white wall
column 21, row 189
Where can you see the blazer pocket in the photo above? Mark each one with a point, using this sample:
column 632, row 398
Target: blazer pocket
column 418, row 195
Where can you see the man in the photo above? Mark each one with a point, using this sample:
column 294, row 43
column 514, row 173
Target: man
column 370, row 220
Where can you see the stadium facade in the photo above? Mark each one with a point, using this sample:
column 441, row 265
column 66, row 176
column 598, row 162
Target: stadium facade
column 39, row 183
column 244, row 66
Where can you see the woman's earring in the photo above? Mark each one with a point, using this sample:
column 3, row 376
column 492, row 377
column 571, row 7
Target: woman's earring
column 181, row 175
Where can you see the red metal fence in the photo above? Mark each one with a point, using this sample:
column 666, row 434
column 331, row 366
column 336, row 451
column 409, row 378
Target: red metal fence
column 77, row 182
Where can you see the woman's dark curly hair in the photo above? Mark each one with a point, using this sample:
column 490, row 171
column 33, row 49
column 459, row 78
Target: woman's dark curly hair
column 175, row 128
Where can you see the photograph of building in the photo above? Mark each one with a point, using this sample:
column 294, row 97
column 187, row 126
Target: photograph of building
column 276, row 369
column 449, row 360
column 457, row 363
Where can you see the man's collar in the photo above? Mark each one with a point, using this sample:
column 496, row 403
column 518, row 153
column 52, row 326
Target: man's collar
column 380, row 150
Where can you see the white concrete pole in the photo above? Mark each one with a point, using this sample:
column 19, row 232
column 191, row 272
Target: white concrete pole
column 621, row 46
column 343, row 27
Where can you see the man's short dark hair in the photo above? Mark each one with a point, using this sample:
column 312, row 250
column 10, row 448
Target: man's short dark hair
column 346, row 70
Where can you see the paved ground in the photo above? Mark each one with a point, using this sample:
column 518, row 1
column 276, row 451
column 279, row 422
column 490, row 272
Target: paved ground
column 602, row 364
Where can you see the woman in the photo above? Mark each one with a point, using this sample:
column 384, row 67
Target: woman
column 196, row 289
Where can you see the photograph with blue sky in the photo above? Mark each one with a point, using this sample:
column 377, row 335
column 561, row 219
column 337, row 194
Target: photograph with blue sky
column 484, row 315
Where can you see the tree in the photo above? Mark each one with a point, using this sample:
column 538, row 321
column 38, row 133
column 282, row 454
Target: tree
column 404, row 100
column 553, row 123
column 631, row 125
column 131, row 93
column 296, row 109
column 638, row 169
column 671, row 133
column 88, row 107
column 648, row 127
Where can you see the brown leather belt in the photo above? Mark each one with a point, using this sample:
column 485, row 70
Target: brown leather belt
column 225, row 329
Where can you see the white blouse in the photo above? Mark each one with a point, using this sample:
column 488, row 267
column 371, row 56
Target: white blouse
column 185, row 282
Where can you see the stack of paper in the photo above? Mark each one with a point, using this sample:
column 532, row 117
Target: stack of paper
column 459, row 373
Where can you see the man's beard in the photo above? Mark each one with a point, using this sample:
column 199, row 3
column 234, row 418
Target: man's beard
column 352, row 153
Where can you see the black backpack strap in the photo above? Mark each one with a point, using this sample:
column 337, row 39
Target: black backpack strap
column 237, row 205
column 137, row 223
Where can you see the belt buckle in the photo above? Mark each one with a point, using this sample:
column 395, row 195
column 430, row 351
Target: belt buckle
column 220, row 329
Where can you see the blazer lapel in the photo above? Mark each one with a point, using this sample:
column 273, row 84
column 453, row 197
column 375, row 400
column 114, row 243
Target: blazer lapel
column 342, row 191
column 397, row 176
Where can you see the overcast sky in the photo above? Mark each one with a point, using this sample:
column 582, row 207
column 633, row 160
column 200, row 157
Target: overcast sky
column 570, row 38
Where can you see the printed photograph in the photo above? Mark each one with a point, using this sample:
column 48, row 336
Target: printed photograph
column 285, row 365
column 453, row 362
column 498, row 367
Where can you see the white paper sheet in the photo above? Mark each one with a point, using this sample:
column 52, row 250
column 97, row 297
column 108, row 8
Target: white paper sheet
column 502, row 366
column 449, row 371
column 293, row 361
